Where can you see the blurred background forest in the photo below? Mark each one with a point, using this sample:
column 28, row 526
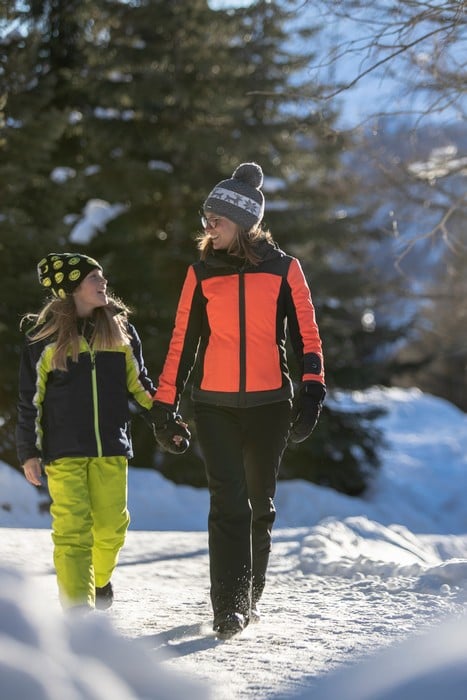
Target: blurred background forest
column 118, row 116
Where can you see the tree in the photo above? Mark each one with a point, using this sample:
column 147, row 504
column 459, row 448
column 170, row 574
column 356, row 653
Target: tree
column 42, row 48
column 411, row 55
column 145, row 107
column 437, row 355
column 408, row 61
column 417, row 44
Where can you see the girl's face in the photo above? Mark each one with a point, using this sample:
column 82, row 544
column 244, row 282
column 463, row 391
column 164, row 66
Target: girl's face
column 222, row 231
column 91, row 293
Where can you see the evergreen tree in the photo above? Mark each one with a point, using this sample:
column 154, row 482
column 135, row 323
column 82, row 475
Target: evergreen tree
column 436, row 357
column 41, row 54
column 148, row 105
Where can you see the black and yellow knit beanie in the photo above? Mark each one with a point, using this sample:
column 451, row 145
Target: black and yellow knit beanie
column 61, row 273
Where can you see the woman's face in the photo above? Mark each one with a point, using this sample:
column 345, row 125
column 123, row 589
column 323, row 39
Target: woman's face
column 91, row 293
column 222, row 231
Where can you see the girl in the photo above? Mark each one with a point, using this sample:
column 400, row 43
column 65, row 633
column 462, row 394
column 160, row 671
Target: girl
column 231, row 325
column 81, row 362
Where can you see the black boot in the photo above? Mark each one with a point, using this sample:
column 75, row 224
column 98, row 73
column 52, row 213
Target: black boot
column 104, row 596
column 229, row 624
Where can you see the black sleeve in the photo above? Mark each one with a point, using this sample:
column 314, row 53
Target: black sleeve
column 27, row 412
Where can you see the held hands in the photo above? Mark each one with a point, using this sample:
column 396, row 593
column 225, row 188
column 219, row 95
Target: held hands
column 170, row 431
column 307, row 410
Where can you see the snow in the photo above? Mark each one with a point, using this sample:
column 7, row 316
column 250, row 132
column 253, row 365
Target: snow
column 441, row 162
column 97, row 213
column 366, row 597
column 62, row 174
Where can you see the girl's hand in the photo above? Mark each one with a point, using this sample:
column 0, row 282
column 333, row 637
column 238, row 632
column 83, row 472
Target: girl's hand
column 33, row 471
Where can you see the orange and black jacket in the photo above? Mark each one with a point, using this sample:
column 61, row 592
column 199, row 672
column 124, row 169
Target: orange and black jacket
column 230, row 331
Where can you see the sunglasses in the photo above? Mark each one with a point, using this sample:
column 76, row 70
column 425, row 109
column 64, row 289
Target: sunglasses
column 212, row 222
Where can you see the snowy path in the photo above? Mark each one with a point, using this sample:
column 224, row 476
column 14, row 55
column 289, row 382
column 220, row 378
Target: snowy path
column 310, row 624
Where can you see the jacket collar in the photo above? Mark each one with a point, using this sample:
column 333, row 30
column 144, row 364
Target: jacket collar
column 220, row 259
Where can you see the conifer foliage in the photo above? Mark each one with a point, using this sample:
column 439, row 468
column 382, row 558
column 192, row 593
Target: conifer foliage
column 134, row 110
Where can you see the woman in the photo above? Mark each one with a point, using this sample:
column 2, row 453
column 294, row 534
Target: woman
column 231, row 323
column 81, row 362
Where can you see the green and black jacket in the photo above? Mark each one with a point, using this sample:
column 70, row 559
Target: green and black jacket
column 84, row 411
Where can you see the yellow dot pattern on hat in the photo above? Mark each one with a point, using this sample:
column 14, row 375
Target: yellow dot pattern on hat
column 74, row 275
column 61, row 273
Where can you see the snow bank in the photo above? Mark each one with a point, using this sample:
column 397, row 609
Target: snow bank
column 358, row 546
column 421, row 484
column 52, row 657
column 20, row 502
column 425, row 667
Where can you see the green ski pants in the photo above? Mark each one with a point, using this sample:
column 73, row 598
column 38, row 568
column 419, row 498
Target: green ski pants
column 89, row 523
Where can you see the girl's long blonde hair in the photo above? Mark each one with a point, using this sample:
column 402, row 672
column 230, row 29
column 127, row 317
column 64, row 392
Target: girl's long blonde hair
column 58, row 320
column 242, row 246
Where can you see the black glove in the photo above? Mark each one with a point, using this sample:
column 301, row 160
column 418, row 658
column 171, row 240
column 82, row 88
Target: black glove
column 307, row 409
column 167, row 425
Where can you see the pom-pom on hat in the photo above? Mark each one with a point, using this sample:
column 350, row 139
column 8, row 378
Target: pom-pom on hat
column 239, row 198
column 61, row 273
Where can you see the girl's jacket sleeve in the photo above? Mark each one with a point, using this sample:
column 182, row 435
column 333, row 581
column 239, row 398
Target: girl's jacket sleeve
column 184, row 344
column 140, row 385
column 303, row 328
column 27, row 410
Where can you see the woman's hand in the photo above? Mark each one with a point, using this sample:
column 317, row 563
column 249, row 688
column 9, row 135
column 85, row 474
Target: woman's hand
column 307, row 410
column 170, row 430
column 33, row 470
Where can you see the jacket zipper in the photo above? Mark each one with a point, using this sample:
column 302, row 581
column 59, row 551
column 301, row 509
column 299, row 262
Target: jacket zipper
column 95, row 401
column 242, row 348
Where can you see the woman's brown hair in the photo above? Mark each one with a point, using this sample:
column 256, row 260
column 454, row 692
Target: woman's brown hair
column 242, row 246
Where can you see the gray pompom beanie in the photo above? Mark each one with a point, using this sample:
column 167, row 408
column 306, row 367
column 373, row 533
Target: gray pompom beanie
column 239, row 198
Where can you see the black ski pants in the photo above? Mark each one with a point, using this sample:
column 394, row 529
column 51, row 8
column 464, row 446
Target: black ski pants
column 242, row 450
